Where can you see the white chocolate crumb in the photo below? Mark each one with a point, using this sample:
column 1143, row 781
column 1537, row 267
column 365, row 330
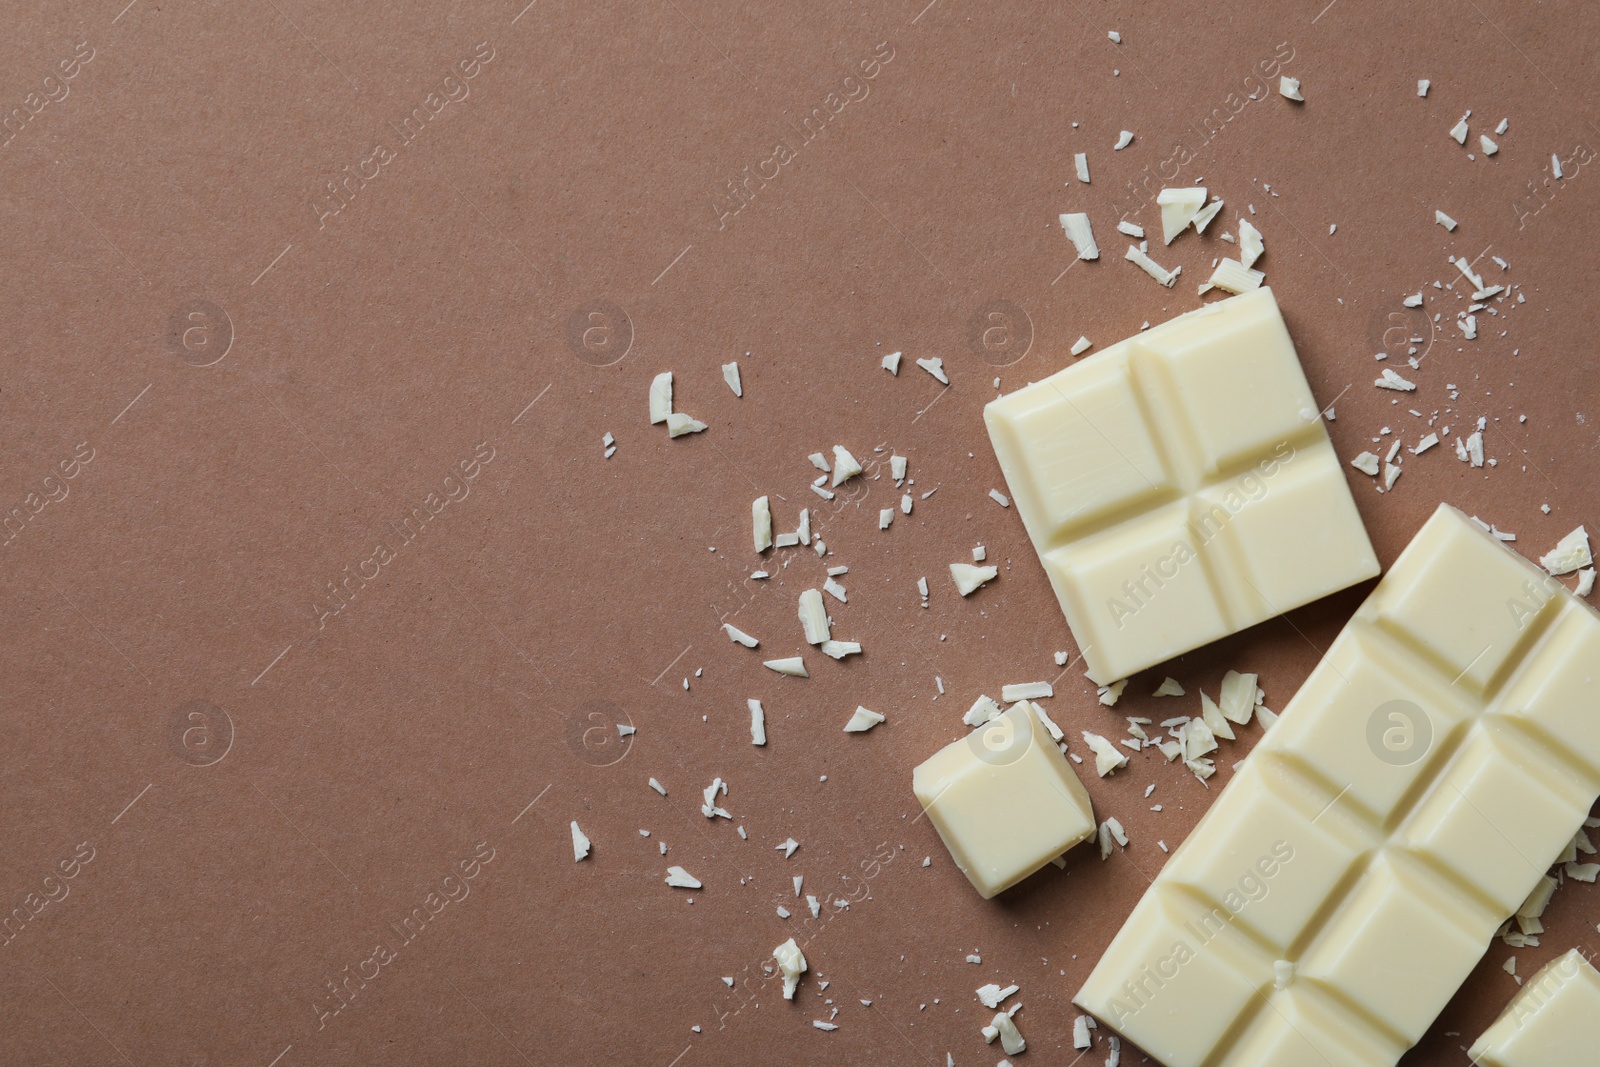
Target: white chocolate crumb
column 1010, row 1037
column 709, row 809
column 1178, row 209
column 679, row 878
column 793, row 666
column 1204, row 216
column 1366, row 463
column 1197, row 740
column 1056, row 733
column 1239, row 697
column 1570, row 553
column 580, row 843
column 660, row 397
column 845, row 466
column 1250, row 244
column 1081, row 234
column 1107, row 757
column 968, row 578
column 1235, row 277
column 983, row 709
column 739, row 636
column 992, row 996
column 730, row 374
column 934, row 365
column 814, row 616
column 758, row 722
column 679, row 424
column 862, row 721
column 1151, row 267
column 761, row 521
column 1215, row 721
column 792, row 964
column 1391, row 380
column 1289, row 88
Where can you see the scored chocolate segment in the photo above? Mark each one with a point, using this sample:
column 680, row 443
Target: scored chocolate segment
column 1413, row 794
column 1180, row 486
column 1553, row 1019
column 1004, row 799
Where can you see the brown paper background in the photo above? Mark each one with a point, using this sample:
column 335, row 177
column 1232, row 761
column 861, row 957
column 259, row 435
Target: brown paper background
column 363, row 358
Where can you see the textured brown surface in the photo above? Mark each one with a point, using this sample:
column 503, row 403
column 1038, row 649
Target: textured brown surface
column 366, row 354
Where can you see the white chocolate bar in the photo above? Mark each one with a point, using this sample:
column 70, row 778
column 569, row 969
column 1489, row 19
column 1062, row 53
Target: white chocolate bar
column 1004, row 799
column 1180, row 486
column 1415, row 790
column 1554, row 1019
